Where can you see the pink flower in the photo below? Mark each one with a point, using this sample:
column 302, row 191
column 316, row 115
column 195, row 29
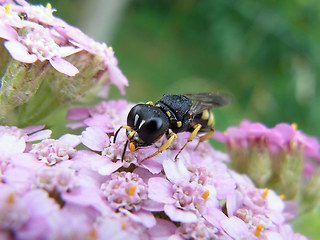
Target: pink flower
column 64, row 224
column 14, row 140
column 52, row 184
column 107, row 115
column 77, row 38
column 48, row 38
column 108, row 161
column 38, row 43
column 117, row 226
column 28, row 216
column 21, row 170
column 260, row 208
column 281, row 137
column 183, row 196
column 125, row 190
column 53, row 151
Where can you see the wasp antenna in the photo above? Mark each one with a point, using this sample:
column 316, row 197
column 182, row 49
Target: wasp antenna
column 116, row 134
column 123, row 126
column 124, row 150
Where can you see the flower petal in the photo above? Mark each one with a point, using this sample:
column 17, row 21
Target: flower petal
column 160, row 190
column 32, row 129
column 162, row 230
column 117, row 78
column 86, row 196
column 95, row 139
column 19, row 52
column 144, row 217
column 235, row 227
column 43, row 134
column 175, row 170
column 78, row 113
column 178, row 215
column 68, row 50
column 10, row 145
column 7, row 32
column 63, row 66
column 70, row 139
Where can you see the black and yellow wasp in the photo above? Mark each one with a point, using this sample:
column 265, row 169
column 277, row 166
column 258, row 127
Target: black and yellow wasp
column 172, row 114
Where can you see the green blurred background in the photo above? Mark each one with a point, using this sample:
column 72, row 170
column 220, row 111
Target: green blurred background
column 265, row 53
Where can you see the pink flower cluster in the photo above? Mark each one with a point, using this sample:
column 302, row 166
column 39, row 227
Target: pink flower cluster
column 51, row 190
column 31, row 33
column 281, row 138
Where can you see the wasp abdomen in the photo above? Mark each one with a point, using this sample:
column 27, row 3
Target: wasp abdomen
column 206, row 119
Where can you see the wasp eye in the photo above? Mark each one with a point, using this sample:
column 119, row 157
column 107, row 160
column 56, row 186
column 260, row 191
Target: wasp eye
column 151, row 130
column 154, row 124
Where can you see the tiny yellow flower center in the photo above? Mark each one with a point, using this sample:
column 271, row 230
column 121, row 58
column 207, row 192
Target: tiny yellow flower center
column 123, row 225
column 258, row 230
column 205, row 195
column 49, row 6
column 132, row 190
column 265, row 193
column 282, row 196
column 294, row 126
column 93, row 234
column 11, row 198
column 8, row 8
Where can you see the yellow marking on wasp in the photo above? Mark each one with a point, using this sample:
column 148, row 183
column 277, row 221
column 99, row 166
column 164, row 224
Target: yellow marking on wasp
column 258, row 230
column 150, row 103
column 205, row 115
column 205, row 195
column 7, row 8
column 179, row 124
column 132, row 190
column 265, row 193
column 158, row 105
column 168, row 113
column 211, row 119
column 132, row 147
column 163, row 147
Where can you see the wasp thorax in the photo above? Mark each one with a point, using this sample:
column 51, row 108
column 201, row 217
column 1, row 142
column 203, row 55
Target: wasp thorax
column 149, row 122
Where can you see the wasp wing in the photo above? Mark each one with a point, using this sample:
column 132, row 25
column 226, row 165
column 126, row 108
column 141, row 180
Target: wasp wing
column 202, row 101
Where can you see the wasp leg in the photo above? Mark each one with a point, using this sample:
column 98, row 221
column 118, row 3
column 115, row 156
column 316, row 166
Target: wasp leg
column 196, row 129
column 205, row 137
column 163, row 147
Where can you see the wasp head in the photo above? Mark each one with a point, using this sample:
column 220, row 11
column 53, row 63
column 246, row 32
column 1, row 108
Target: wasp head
column 147, row 124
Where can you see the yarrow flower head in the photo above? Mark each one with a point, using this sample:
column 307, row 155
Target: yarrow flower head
column 282, row 158
column 125, row 190
column 47, row 57
column 92, row 194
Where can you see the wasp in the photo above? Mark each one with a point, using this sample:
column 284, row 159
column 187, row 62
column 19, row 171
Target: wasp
column 172, row 114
